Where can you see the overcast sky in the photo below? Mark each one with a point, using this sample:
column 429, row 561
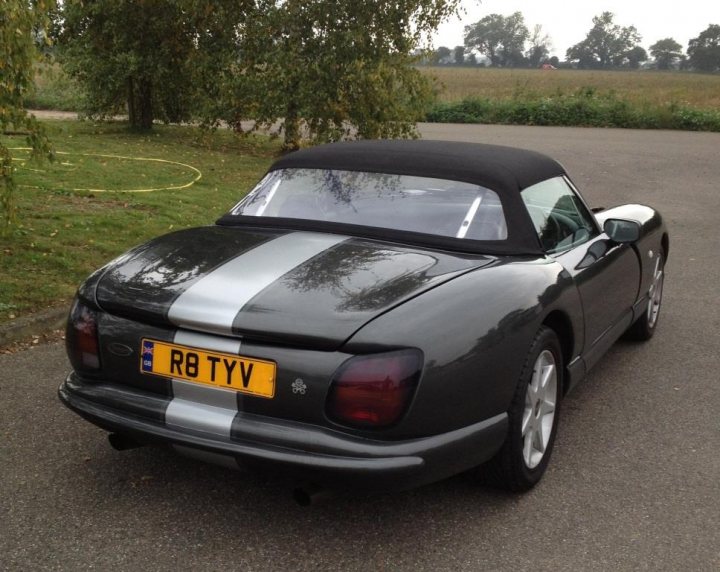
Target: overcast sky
column 568, row 21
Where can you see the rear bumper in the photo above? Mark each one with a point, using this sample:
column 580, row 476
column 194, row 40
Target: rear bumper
column 315, row 454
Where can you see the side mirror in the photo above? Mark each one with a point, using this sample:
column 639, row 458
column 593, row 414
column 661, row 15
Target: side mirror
column 622, row 231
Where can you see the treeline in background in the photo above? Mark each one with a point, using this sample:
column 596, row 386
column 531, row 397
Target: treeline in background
column 506, row 42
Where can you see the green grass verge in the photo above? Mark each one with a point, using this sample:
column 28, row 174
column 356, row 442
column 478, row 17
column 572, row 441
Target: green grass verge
column 584, row 108
column 61, row 235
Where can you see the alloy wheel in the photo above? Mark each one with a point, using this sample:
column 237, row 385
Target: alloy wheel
column 539, row 413
column 655, row 293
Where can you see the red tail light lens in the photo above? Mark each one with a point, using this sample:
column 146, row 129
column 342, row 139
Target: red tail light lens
column 374, row 390
column 81, row 338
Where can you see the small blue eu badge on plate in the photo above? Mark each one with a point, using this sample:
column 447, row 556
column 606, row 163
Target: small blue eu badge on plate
column 147, row 355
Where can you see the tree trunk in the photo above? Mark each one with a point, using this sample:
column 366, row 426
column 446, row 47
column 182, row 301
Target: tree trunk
column 132, row 111
column 146, row 105
column 139, row 103
column 292, row 128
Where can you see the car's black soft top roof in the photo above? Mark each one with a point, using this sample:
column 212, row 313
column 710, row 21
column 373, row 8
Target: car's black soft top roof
column 502, row 169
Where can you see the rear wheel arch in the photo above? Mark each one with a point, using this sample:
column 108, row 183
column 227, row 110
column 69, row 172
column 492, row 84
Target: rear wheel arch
column 559, row 322
column 532, row 418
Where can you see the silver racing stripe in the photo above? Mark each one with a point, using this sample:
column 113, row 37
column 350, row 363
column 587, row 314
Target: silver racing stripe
column 212, row 303
column 202, row 407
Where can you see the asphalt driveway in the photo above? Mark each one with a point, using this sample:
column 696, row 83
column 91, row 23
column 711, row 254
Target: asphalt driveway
column 635, row 478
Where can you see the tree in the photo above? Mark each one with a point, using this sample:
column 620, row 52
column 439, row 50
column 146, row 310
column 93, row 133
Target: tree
column 704, row 51
column 442, row 55
column 459, row 55
column 147, row 58
column 500, row 38
column 321, row 68
column 606, row 44
column 335, row 69
column 666, row 53
column 635, row 56
column 540, row 45
column 21, row 23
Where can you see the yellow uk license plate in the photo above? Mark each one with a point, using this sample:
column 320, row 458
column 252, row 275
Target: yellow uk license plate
column 247, row 375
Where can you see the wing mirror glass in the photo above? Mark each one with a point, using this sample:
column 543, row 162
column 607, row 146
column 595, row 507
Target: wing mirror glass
column 622, row 231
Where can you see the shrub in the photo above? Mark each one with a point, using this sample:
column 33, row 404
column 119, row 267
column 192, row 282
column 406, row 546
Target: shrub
column 583, row 108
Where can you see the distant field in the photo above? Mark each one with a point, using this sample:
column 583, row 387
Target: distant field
column 700, row 91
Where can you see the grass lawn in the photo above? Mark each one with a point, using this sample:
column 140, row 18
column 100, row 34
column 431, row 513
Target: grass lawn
column 62, row 234
column 653, row 88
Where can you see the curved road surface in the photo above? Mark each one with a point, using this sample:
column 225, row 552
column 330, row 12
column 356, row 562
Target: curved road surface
column 635, row 478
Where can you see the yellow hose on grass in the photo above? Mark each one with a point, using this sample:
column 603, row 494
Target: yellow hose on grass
column 198, row 174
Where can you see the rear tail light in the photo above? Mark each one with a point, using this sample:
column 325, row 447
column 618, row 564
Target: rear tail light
column 374, row 390
column 81, row 337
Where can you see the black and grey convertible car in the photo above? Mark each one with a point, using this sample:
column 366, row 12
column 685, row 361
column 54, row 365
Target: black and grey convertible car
column 372, row 315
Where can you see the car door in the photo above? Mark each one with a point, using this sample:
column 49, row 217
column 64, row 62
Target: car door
column 606, row 274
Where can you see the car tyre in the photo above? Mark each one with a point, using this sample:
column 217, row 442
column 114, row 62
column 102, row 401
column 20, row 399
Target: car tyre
column 532, row 418
column 644, row 327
